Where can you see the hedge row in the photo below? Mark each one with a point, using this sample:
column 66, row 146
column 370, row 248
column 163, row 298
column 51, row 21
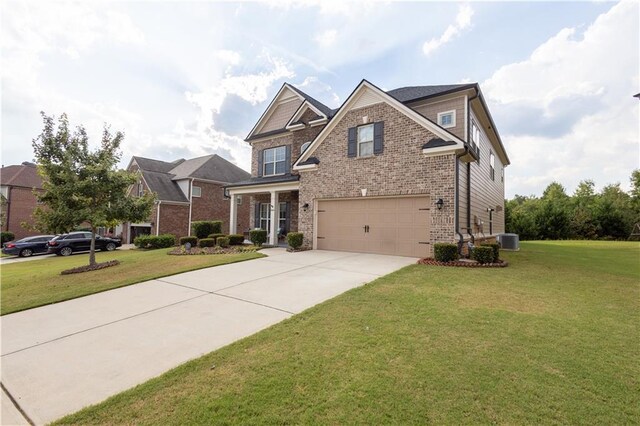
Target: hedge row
column 155, row 241
column 7, row 236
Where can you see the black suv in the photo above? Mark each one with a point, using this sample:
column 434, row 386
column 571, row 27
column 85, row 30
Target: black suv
column 66, row 244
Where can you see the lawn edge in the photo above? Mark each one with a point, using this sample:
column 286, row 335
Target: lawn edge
column 260, row 255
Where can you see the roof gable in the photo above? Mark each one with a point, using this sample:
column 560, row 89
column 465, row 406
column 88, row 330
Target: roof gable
column 368, row 94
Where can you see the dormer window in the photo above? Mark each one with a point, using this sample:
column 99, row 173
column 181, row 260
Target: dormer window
column 447, row 119
column 274, row 161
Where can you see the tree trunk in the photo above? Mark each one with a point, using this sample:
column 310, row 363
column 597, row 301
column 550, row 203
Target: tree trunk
column 92, row 250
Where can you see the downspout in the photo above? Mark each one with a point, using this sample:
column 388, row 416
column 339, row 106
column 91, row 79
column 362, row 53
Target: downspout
column 190, row 205
column 158, row 218
column 8, row 207
column 469, row 166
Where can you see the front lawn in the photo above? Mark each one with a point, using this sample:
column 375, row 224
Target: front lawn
column 553, row 338
column 26, row 285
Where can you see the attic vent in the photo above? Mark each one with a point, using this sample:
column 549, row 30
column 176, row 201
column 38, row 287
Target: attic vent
column 509, row 241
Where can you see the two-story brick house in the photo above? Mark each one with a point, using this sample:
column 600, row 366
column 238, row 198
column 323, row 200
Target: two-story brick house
column 186, row 191
column 17, row 185
column 387, row 172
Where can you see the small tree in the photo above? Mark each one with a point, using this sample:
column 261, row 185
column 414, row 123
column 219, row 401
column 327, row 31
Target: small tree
column 81, row 185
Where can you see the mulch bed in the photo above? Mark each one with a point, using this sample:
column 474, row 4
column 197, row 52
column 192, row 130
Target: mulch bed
column 88, row 268
column 291, row 250
column 466, row 263
column 181, row 251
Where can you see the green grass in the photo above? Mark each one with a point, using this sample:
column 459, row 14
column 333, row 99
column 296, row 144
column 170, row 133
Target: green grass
column 551, row 339
column 35, row 283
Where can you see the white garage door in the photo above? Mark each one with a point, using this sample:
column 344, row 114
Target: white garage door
column 397, row 226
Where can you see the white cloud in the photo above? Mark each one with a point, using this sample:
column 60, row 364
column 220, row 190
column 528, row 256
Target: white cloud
column 319, row 89
column 463, row 21
column 326, row 38
column 230, row 57
column 572, row 70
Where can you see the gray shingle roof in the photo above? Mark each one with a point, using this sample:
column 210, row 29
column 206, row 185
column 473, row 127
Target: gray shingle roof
column 316, row 103
column 161, row 176
column 412, row 93
column 210, row 167
column 156, row 165
column 265, row 180
column 437, row 143
column 161, row 184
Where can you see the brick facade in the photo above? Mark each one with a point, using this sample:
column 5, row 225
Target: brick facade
column 21, row 204
column 174, row 219
column 402, row 169
column 212, row 205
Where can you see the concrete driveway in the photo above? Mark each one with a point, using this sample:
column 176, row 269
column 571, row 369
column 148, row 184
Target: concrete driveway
column 60, row 358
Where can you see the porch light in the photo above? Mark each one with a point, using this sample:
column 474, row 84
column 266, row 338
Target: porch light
column 305, row 206
column 440, row 203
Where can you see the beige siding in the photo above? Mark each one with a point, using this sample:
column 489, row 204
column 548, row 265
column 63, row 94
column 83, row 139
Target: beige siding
column 280, row 116
column 486, row 192
column 431, row 111
column 462, row 198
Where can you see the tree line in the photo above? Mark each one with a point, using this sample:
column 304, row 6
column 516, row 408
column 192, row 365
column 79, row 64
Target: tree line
column 608, row 214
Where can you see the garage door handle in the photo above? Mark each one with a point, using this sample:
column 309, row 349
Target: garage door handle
column 366, row 228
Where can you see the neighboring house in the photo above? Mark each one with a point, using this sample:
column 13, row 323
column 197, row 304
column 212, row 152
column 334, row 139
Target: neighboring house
column 187, row 191
column 17, row 184
column 387, row 172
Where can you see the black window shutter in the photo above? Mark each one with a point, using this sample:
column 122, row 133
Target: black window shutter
column 287, row 159
column 260, row 160
column 378, row 137
column 256, row 224
column 352, row 145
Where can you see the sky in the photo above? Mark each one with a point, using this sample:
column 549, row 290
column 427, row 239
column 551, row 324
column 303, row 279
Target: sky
column 185, row 79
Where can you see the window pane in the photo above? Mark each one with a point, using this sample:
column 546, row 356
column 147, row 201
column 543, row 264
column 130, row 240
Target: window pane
column 280, row 167
column 268, row 168
column 283, row 211
column 365, row 133
column 366, row 148
column 268, row 155
column 280, row 153
column 304, row 147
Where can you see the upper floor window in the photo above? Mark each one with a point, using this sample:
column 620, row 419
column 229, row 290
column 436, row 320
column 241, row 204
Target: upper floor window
column 274, row 161
column 447, row 119
column 492, row 165
column 140, row 189
column 365, row 140
column 502, row 174
column 475, row 134
column 238, row 199
column 196, row 191
column 304, row 147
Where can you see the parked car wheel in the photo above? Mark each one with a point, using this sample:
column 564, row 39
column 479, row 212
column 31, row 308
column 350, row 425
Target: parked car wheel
column 110, row 247
column 26, row 252
column 66, row 251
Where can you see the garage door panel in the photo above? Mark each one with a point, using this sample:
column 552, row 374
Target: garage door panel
column 396, row 225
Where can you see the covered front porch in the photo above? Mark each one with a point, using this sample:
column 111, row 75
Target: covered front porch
column 274, row 206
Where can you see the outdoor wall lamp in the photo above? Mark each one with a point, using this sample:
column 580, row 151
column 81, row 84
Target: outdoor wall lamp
column 440, row 203
column 305, row 206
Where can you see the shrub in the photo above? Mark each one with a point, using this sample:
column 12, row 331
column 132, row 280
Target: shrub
column 483, row 254
column 206, row 242
column 7, row 236
column 223, row 241
column 154, row 241
column 445, row 252
column 203, row 228
column 192, row 240
column 258, row 236
column 496, row 249
column 294, row 239
column 236, row 239
column 216, row 236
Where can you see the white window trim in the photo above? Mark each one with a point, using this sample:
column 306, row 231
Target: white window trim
column 453, row 119
column 193, row 191
column 358, row 140
column 274, row 162
column 266, row 218
column 492, row 166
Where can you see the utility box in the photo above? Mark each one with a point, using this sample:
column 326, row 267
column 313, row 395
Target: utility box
column 509, row 241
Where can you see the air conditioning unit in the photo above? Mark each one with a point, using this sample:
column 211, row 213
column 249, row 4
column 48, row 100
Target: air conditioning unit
column 509, row 241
